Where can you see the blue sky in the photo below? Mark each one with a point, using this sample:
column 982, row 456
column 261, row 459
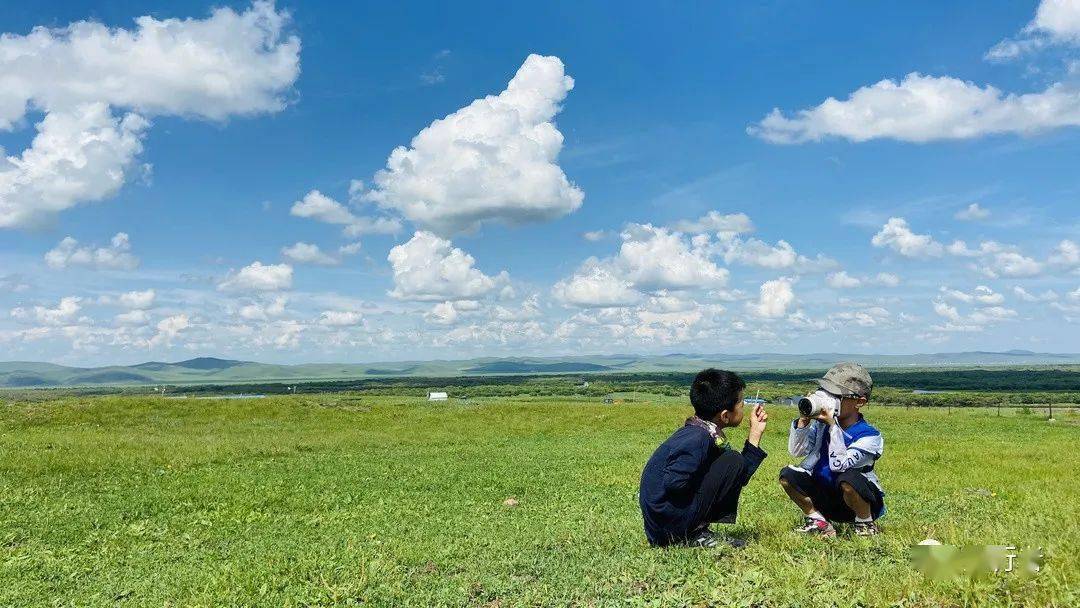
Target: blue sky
column 221, row 179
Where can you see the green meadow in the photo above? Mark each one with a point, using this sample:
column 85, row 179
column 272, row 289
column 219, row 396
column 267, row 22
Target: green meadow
column 345, row 500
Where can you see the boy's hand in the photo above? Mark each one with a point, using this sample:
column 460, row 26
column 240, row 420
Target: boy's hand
column 758, row 419
column 826, row 417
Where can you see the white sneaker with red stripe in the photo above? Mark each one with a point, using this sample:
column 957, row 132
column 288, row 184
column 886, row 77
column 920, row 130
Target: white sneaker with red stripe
column 816, row 527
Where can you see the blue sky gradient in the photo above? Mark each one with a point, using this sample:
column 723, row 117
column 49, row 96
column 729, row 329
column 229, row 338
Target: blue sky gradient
column 663, row 125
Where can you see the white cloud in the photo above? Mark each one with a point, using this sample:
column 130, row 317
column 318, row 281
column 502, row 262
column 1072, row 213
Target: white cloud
column 774, row 299
column 136, row 317
column 1066, row 254
column 430, row 268
column 317, row 206
column 443, row 313
column 956, row 294
column 434, row 73
column 842, row 280
column 116, row 256
column 978, row 319
column 1059, row 18
column 594, row 235
column 1071, row 308
column 751, row 251
column 65, row 312
column 340, row 318
column 946, row 310
column 986, row 248
column 886, row 279
column 80, row 154
column 713, row 221
column 990, row 314
column 529, row 310
column 168, row 329
column 925, row 108
column 754, row 252
column 665, row 302
column 1010, row 264
column 972, row 213
column 350, row 248
column 799, row 320
column 997, row 260
column 985, row 295
column 650, row 258
column 1010, row 49
column 982, row 295
column 874, row 316
column 227, row 64
column 493, row 160
column 896, row 235
column 1055, row 22
column 14, row 283
column 260, row 311
column 356, row 191
column 259, row 277
column 595, row 285
column 1047, row 296
column 286, row 334
column 656, row 258
column 307, row 253
column 139, row 300
column 672, row 326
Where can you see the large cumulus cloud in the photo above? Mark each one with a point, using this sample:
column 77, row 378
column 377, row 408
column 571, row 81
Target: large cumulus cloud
column 493, row 160
column 98, row 86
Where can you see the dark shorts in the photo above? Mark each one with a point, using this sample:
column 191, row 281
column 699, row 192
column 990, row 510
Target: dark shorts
column 829, row 499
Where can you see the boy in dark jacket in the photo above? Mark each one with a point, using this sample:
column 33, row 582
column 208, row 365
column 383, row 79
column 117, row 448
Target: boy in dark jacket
column 695, row 478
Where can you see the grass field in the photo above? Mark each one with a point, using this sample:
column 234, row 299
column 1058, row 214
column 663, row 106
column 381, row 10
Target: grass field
column 389, row 501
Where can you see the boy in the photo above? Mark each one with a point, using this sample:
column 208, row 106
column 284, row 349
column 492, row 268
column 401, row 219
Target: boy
column 694, row 478
column 836, row 479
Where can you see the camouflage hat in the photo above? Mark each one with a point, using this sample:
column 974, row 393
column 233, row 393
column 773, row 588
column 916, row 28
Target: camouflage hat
column 847, row 379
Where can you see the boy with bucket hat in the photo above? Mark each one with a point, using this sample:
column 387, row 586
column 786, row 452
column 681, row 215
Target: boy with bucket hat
column 835, row 482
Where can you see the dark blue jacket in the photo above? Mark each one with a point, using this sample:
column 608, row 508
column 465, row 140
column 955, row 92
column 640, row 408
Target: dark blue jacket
column 672, row 476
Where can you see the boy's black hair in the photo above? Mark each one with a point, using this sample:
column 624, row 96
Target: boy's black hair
column 713, row 391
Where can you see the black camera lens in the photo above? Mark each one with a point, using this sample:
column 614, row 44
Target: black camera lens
column 805, row 406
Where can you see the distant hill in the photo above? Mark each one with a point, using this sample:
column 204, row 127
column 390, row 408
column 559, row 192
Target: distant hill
column 208, row 363
column 213, row 370
column 522, row 367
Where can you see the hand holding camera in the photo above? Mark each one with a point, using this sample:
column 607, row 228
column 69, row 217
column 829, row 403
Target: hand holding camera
column 818, row 405
column 826, row 416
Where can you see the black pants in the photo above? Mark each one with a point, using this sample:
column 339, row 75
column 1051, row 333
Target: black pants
column 717, row 498
column 828, row 499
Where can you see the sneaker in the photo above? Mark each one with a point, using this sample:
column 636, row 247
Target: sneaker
column 708, row 539
column 702, row 538
column 868, row 528
column 818, row 527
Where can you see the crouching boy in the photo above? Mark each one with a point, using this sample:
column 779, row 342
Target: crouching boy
column 695, row 478
column 835, row 482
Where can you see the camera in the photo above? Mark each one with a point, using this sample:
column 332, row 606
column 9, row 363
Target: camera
column 817, row 402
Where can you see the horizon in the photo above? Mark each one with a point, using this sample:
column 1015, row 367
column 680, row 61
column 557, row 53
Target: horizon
column 135, row 363
column 379, row 186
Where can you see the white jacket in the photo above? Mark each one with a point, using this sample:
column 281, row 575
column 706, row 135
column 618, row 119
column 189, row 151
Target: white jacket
column 853, row 449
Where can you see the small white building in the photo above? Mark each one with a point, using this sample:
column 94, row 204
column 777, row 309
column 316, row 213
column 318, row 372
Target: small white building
column 437, row 396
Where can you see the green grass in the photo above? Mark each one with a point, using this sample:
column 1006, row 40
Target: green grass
column 390, row 501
